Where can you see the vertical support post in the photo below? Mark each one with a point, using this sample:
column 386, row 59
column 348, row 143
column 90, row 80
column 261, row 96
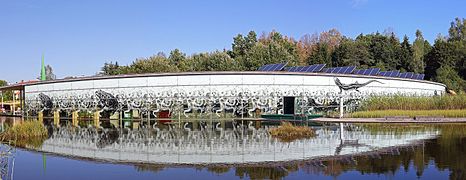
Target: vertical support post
column 41, row 116
column 23, row 102
column 74, row 119
column 96, row 118
column 56, row 118
column 120, row 119
column 148, row 119
column 1, row 94
column 341, row 106
column 342, row 135
column 195, row 125
column 222, row 124
column 13, row 105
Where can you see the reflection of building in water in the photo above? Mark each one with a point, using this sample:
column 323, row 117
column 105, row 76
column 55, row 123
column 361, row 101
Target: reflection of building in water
column 7, row 159
column 226, row 146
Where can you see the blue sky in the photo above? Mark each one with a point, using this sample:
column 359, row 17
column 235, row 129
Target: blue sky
column 78, row 37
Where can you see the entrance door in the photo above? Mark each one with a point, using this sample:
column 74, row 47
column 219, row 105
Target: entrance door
column 288, row 105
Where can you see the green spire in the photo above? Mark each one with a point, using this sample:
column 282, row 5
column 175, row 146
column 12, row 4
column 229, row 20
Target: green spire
column 42, row 70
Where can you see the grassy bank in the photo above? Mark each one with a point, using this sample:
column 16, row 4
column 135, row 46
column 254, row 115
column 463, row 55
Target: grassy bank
column 453, row 113
column 287, row 132
column 445, row 102
column 24, row 131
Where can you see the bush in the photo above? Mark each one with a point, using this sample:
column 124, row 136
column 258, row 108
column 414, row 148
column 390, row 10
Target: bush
column 287, row 132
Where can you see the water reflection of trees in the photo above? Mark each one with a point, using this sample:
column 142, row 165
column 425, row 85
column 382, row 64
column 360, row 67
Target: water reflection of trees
column 447, row 152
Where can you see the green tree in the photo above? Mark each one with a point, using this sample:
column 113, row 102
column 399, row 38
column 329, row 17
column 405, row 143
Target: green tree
column 269, row 48
column 321, row 55
column 384, row 50
column 457, row 29
column 421, row 48
column 449, row 76
column 7, row 95
column 352, row 53
column 176, row 56
column 111, row 69
column 406, row 55
column 153, row 64
column 446, row 53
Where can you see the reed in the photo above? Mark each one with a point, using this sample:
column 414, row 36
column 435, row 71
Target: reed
column 452, row 113
column 24, row 131
column 445, row 102
column 287, row 132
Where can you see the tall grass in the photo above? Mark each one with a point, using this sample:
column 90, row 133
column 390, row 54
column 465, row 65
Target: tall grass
column 445, row 102
column 23, row 131
column 452, row 113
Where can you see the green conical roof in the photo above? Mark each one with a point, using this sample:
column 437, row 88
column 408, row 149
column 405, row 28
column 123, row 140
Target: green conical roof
column 42, row 70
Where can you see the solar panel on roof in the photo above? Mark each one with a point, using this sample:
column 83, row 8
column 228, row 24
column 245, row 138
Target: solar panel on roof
column 389, row 73
column 300, row 69
column 338, row 70
column 262, row 68
column 318, row 67
column 402, row 75
column 409, row 75
column 272, row 67
column 311, row 68
column 395, row 74
column 268, row 67
column 422, row 77
column 374, row 71
column 307, row 68
column 350, row 69
column 343, row 70
column 359, row 71
column 276, row 67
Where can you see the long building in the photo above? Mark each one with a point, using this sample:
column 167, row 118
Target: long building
column 273, row 89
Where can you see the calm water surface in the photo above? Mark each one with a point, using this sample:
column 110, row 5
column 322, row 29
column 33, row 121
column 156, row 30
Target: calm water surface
column 162, row 152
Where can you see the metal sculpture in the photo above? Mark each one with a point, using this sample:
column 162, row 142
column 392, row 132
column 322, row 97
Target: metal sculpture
column 351, row 86
column 106, row 100
column 45, row 101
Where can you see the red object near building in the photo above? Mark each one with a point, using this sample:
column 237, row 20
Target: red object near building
column 164, row 114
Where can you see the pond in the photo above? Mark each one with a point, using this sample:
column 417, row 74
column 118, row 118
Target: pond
column 362, row 152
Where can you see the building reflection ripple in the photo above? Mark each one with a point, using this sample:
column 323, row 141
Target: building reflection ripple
column 177, row 146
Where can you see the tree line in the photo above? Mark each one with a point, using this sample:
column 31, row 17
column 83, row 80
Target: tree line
column 444, row 61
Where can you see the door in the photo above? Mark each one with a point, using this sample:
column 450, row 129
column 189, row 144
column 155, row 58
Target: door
column 288, row 105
